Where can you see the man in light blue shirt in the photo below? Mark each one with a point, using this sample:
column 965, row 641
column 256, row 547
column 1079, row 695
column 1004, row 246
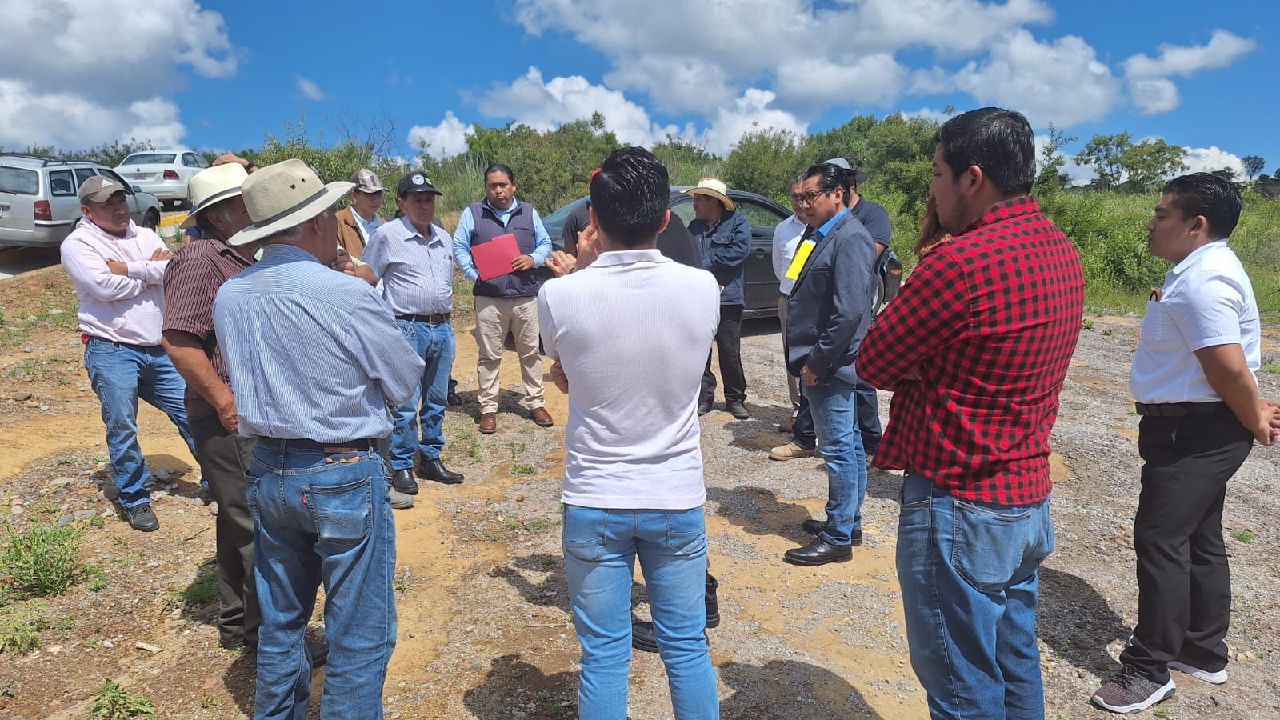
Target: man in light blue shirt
column 314, row 358
column 508, row 302
column 414, row 260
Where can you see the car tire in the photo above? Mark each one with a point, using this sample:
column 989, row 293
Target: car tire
column 151, row 220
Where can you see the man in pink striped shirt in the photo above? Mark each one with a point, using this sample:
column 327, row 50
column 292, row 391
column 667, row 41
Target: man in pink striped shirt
column 117, row 269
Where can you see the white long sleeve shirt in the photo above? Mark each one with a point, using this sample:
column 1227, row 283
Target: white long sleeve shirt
column 123, row 308
column 786, row 237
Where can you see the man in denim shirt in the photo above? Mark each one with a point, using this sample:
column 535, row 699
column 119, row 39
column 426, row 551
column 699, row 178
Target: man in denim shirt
column 724, row 238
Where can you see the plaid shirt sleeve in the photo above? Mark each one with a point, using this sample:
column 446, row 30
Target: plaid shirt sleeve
column 931, row 311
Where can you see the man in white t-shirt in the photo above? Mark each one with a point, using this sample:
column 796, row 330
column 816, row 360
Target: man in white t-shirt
column 1194, row 378
column 628, row 335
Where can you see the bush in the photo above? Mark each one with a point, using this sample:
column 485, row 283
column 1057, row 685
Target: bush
column 115, row 703
column 20, row 627
column 42, row 560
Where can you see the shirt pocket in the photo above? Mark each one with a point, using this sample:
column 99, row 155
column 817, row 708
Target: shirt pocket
column 1159, row 332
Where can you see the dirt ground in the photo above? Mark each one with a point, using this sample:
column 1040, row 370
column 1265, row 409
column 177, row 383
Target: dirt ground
column 484, row 627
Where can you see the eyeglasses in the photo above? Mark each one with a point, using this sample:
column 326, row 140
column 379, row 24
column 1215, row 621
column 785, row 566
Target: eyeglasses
column 809, row 197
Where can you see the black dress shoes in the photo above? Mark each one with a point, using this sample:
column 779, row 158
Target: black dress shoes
column 815, row 527
column 403, row 481
column 819, row 552
column 704, row 407
column 435, row 471
column 737, row 409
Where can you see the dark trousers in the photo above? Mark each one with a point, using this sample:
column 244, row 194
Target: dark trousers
column 223, row 459
column 868, row 421
column 729, row 348
column 1184, row 582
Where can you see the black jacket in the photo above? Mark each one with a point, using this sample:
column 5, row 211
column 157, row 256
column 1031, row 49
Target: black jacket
column 829, row 309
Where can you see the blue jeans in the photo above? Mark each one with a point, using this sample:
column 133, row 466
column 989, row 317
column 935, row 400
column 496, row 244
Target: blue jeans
column 322, row 518
column 835, row 422
column 600, row 549
column 434, row 344
column 969, row 588
column 802, row 432
column 120, row 374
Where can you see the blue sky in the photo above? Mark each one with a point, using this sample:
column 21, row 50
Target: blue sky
column 223, row 74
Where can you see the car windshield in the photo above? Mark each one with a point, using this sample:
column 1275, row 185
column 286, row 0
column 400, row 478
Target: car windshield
column 18, row 181
column 149, row 159
column 558, row 217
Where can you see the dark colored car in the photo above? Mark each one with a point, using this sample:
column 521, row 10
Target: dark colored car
column 761, row 285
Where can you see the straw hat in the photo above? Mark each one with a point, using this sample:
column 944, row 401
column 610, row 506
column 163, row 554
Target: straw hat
column 282, row 196
column 211, row 186
column 713, row 188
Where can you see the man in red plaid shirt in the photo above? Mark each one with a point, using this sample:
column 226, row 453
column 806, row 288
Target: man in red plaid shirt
column 976, row 348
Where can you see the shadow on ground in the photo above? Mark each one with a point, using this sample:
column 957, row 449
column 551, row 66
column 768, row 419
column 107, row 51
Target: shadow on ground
column 1084, row 624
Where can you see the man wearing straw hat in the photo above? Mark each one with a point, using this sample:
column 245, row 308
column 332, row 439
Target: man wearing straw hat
column 315, row 358
column 723, row 236
column 191, row 281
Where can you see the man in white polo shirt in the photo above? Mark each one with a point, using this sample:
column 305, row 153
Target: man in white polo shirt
column 1194, row 380
column 628, row 335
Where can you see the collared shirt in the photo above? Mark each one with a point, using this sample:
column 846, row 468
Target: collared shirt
column 786, row 238
column 416, row 272
column 467, row 224
column 825, row 228
column 1207, row 300
column 191, row 282
column 725, row 247
column 366, row 227
column 631, row 331
column 123, row 308
column 312, row 353
column 989, row 321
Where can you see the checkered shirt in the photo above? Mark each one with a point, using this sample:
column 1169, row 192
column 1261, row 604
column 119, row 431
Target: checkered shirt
column 989, row 321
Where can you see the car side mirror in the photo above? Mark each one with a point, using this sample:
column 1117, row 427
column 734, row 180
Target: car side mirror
column 136, row 188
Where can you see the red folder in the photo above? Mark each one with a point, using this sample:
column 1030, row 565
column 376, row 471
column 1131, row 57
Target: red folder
column 494, row 257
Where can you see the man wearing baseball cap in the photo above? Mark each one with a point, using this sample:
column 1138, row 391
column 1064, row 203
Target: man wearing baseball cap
column 414, row 259
column 117, row 269
column 723, row 236
column 357, row 223
column 314, row 358
column 191, row 281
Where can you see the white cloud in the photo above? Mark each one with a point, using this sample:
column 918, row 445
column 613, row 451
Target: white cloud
column 1210, row 159
column 816, row 82
column 1060, row 81
column 309, row 89
column 750, row 112
column 938, row 116
column 686, row 83
column 1078, row 174
column 66, row 80
column 1150, row 88
column 447, row 139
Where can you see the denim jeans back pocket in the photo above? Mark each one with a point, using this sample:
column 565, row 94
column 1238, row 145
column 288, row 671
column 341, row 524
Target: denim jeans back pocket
column 342, row 513
column 583, row 533
column 687, row 533
column 991, row 545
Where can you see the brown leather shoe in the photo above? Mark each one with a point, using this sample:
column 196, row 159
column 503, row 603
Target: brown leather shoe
column 488, row 423
column 541, row 417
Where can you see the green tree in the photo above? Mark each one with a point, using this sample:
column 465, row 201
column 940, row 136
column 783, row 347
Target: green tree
column 900, row 158
column 1253, row 165
column 1103, row 153
column 1051, row 179
column 1149, row 163
column 686, row 163
column 848, row 141
column 765, row 162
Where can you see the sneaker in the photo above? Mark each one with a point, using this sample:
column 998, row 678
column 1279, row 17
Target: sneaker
column 1128, row 691
column 791, row 451
column 399, row 500
column 1213, row 678
column 141, row 517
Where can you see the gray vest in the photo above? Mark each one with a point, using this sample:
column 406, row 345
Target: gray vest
column 487, row 227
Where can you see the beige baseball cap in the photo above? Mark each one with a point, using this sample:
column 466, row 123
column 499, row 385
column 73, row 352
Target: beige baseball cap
column 366, row 181
column 99, row 189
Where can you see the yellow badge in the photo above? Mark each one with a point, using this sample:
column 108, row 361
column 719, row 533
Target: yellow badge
column 801, row 257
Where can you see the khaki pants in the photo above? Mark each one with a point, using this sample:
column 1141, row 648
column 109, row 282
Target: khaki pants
column 494, row 318
column 793, row 382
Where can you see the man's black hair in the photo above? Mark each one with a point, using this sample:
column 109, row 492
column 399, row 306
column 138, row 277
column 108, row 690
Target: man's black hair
column 630, row 195
column 829, row 177
column 1216, row 198
column 499, row 167
column 997, row 140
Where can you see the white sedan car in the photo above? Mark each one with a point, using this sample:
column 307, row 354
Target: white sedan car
column 163, row 173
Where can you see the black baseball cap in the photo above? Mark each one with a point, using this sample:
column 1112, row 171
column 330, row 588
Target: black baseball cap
column 415, row 182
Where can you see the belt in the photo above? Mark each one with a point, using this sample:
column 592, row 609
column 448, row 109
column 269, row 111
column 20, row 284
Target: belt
column 345, row 446
column 1178, row 409
column 85, row 339
column 430, row 319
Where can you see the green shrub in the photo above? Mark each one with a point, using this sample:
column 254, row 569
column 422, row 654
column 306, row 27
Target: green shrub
column 115, row 703
column 20, row 627
column 42, row 560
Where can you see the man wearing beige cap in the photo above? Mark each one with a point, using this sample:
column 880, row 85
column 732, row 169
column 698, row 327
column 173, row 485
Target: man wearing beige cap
column 357, row 223
column 191, row 281
column 314, row 357
column 116, row 268
column 724, row 237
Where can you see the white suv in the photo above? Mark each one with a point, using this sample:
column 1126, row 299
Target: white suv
column 163, row 173
column 39, row 205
